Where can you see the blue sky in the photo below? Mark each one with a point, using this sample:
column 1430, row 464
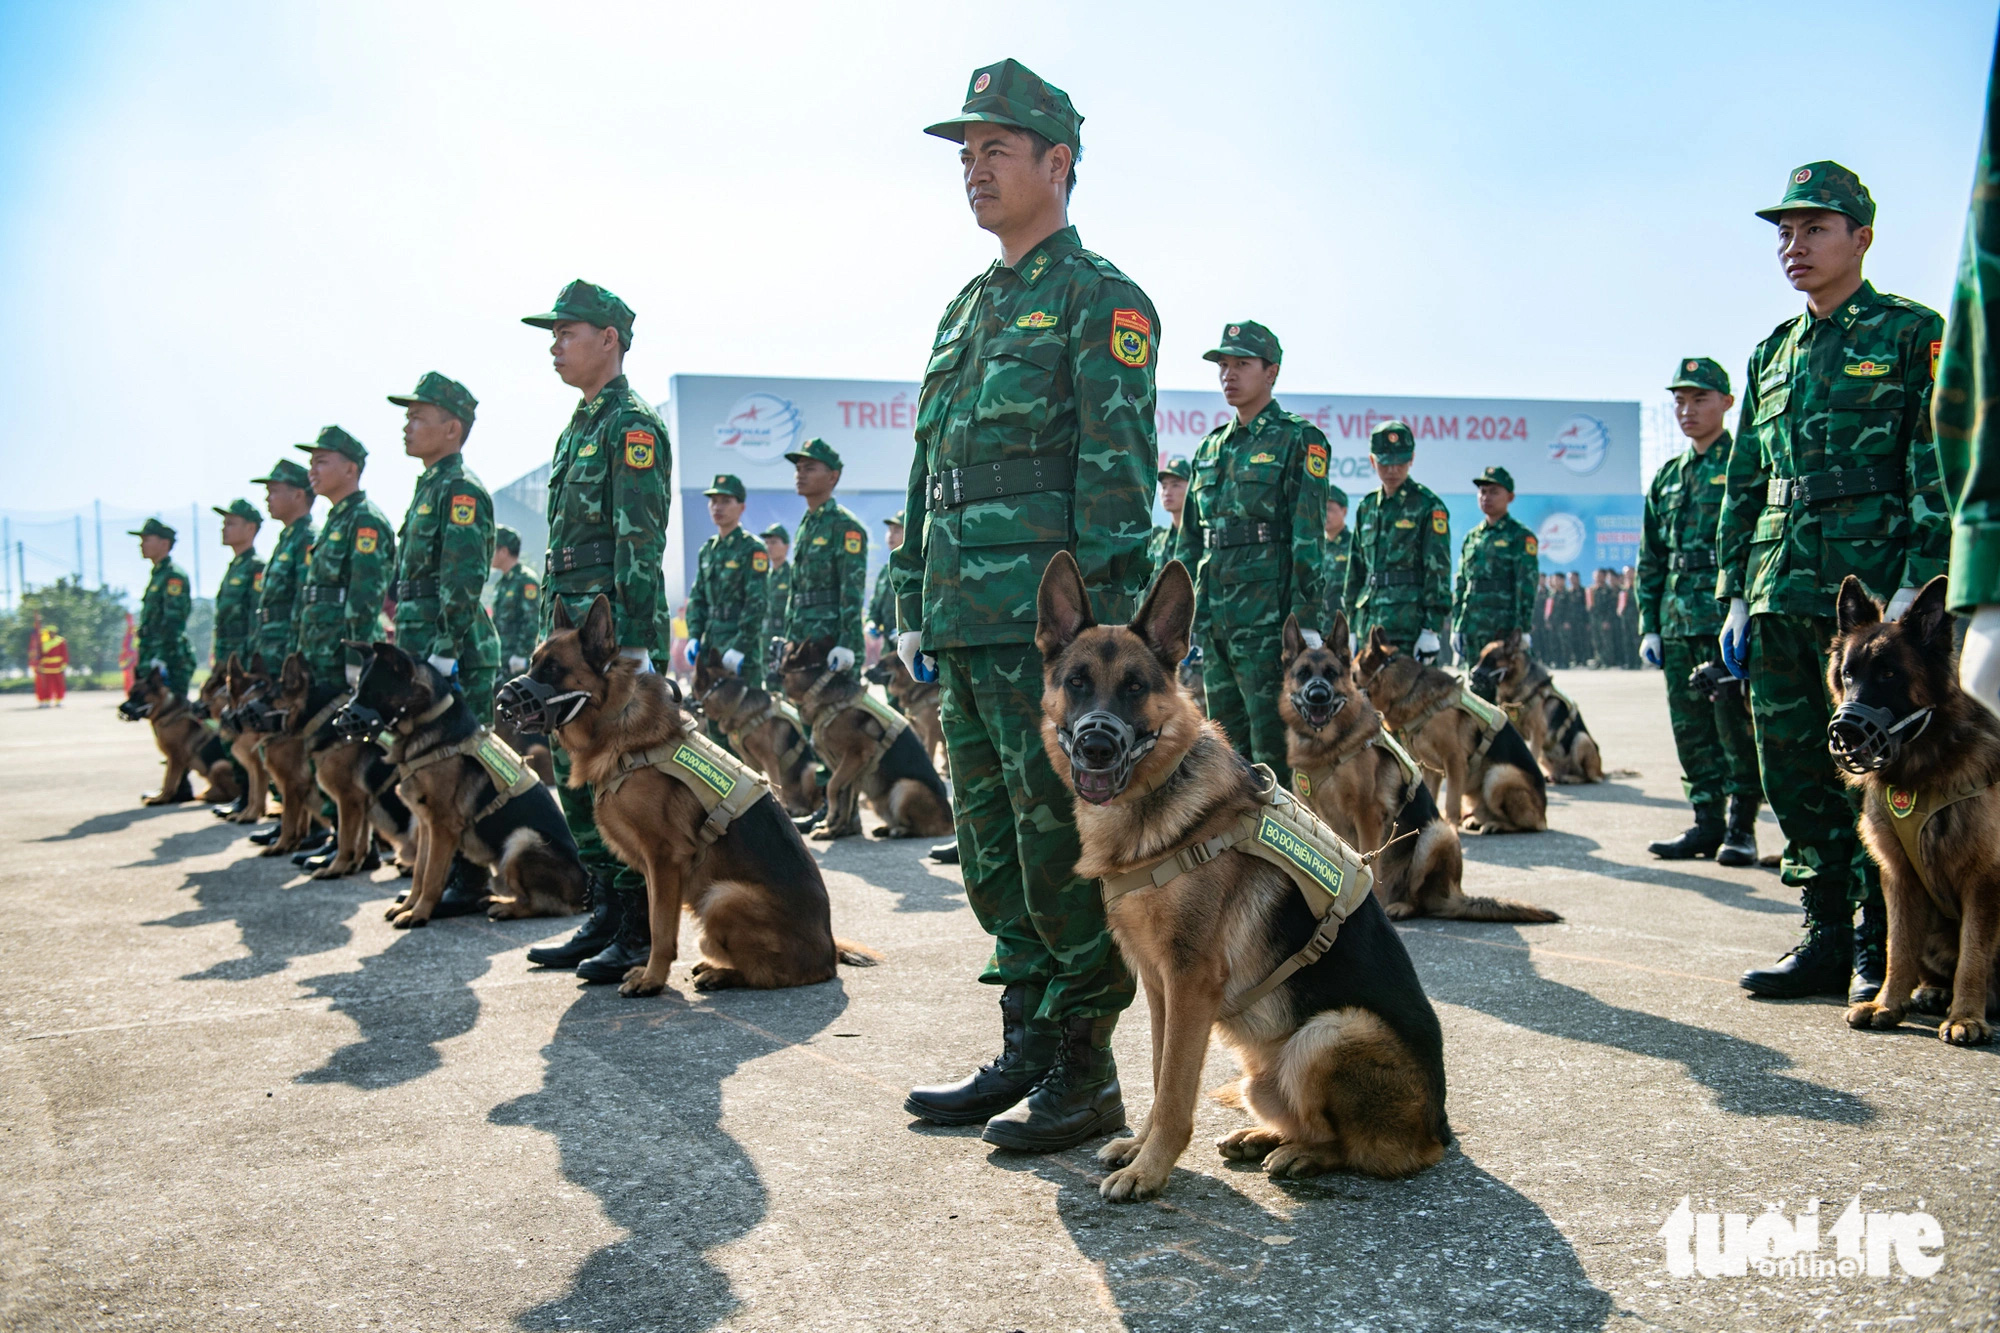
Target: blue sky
column 225, row 225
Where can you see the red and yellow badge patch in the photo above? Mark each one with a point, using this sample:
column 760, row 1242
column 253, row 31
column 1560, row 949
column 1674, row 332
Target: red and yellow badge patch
column 1868, row 370
column 1315, row 460
column 1440, row 522
column 1531, row 546
column 1937, row 351
column 464, row 508
column 1131, row 337
column 365, row 541
column 257, row 581
column 174, row 587
column 641, row 448
column 853, row 543
column 1902, row 801
column 760, row 563
column 530, row 593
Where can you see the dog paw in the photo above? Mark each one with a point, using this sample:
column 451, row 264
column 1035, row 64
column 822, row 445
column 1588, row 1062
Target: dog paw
column 1869, row 1014
column 1120, row 1151
column 1133, row 1183
column 1295, row 1161
column 1930, row 1000
column 408, row 921
column 1398, row 911
column 1248, row 1145
column 1966, row 1031
column 637, row 983
column 329, row 872
column 718, row 978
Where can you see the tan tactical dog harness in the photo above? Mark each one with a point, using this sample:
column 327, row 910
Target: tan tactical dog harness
column 1303, row 779
column 510, row 774
column 1909, row 811
column 724, row 784
column 1332, row 877
column 894, row 724
column 777, row 708
column 1491, row 719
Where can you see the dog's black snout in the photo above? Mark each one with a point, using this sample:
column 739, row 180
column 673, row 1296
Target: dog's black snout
column 1318, row 692
column 1097, row 749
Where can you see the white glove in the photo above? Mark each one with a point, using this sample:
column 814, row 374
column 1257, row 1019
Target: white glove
column 161, row 663
column 353, row 674
column 639, row 655
column 1458, row 645
column 909, row 647
column 517, row 664
column 1649, row 650
column 732, row 660
column 1735, row 639
column 693, row 651
column 1353, row 643
column 1312, row 638
column 840, row 659
column 1427, row 644
column 444, row 666
column 1527, row 642
column 1899, row 603
column 1979, row 661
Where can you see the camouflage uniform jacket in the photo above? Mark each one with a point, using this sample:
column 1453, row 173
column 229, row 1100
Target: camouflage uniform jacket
column 346, row 578
column 1835, row 473
column 777, row 602
column 1499, row 571
column 829, row 577
column 1967, row 384
column 882, row 605
column 1034, row 435
column 725, row 607
column 1339, row 551
column 236, row 608
column 163, row 616
column 443, row 552
column 278, row 604
column 1159, row 549
column 608, row 503
column 1399, row 568
column 1253, row 531
column 517, row 608
column 1677, row 546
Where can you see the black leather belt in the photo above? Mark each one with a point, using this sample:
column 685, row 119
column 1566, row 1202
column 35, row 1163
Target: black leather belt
column 1691, row 560
column 410, row 588
column 1491, row 585
column 993, row 481
column 584, row 555
column 1222, row 536
column 1818, row 488
column 265, row 615
column 321, row 592
column 802, row 600
column 1395, row 578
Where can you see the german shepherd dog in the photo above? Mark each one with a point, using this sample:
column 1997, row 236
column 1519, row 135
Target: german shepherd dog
column 245, row 746
column 1552, row 725
column 276, row 710
column 1926, row 756
column 533, row 748
column 764, row 737
column 920, row 701
column 187, row 745
column 304, row 752
column 901, row 784
column 1344, row 1061
column 755, row 889
column 1509, row 793
column 1363, row 791
column 458, row 806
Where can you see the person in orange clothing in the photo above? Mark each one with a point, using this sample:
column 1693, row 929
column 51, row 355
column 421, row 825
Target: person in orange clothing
column 51, row 661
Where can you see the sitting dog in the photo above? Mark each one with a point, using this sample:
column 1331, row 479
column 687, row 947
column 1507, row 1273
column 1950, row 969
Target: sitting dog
column 920, row 701
column 246, row 747
column 1466, row 740
column 703, row 829
column 869, row 747
column 285, row 713
column 767, row 732
column 1206, row 863
column 1549, row 720
column 187, row 745
column 1368, row 789
column 1926, row 756
column 303, row 751
column 470, row 794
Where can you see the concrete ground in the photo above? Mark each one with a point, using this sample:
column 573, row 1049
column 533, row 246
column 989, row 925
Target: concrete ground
column 232, row 1098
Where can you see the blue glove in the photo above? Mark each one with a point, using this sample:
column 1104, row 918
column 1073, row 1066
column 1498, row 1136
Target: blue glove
column 1650, row 651
column 693, row 651
column 1736, row 639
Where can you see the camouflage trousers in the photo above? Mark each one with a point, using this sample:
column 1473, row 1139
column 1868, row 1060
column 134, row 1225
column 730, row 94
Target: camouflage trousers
column 1824, row 857
column 180, row 667
column 1714, row 740
column 1400, row 624
column 478, row 684
column 1241, row 672
column 577, row 813
column 1017, row 840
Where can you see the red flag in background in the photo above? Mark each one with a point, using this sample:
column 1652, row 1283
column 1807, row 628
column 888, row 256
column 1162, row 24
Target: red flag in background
column 128, row 655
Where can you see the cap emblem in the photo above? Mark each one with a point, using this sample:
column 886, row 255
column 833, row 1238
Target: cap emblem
column 1690, row 367
column 1803, row 175
column 1235, row 330
column 979, row 85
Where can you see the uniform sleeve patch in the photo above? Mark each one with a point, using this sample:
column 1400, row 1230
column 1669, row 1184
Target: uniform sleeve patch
column 853, row 543
column 464, row 508
column 1131, row 337
column 1440, row 522
column 530, row 593
column 1937, row 350
column 257, row 581
column 641, row 448
column 1316, row 460
column 1531, row 546
column 365, row 540
column 174, row 587
column 761, row 563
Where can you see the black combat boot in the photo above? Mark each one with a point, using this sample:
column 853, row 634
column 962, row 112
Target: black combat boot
column 1871, row 953
column 1701, row 840
column 945, row 853
column 597, row 931
column 631, row 947
column 1819, row 964
column 1739, row 840
column 1076, row 1100
column 1027, row 1052
column 465, row 890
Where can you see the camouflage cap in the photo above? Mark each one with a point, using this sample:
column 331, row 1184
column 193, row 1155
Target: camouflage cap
column 589, row 304
column 819, row 449
column 1496, row 476
column 1824, row 185
column 1010, row 93
column 1699, row 372
column 1248, row 338
column 506, row 539
column 438, row 391
column 1177, row 467
column 338, row 440
column 152, row 527
column 895, row 519
column 1335, row 494
column 780, row 531
column 286, row 473
column 1393, row 442
column 728, row 485
column 240, row 508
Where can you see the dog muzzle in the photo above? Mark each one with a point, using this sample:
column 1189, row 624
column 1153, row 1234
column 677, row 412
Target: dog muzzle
column 1867, row 740
column 135, row 710
column 1714, row 682
column 1317, row 703
column 358, row 722
column 1103, row 748
column 533, row 706
column 257, row 715
column 1486, row 683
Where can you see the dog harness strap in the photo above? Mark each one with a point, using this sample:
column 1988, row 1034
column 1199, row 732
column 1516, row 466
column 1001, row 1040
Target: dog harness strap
column 1303, row 778
column 1908, row 822
column 324, row 715
column 1387, row 742
column 724, row 785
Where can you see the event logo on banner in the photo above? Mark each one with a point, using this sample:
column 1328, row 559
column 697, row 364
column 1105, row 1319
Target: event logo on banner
column 1560, row 537
column 1581, row 444
column 760, row 428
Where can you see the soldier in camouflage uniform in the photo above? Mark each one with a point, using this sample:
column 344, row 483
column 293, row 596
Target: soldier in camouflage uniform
column 725, row 607
column 163, row 611
column 242, row 584
column 347, row 571
column 1835, row 475
column 288, row 498
column 1338, row 554
column 1175, row 475
column 777, row 599
column 517, row 602
column 1399, row 569
column 609, row 497
column 830, row 573
column 882, row 599
column 1499, row 570
column 1253, row 534
column 1678, row 620
column 1034, row 435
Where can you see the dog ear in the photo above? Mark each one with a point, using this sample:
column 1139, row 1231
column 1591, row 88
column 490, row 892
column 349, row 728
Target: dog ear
column 599, row 634
column 1294, row 642
column 1376, row 643
column 1854, row 608
column 395, row 660
column 1513, row 641
column 560, row 620
column 1165, row 616
column 1927, row 617
column 293, row 675
column 1062, row 607
column 257, row 667
column 1337, row 637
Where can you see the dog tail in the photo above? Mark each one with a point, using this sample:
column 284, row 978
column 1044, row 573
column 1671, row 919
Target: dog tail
column 1493, row 909
column 856, row 955
column 1231, row 1094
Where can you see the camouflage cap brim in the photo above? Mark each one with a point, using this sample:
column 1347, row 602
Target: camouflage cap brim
column 954, row 129
column 1230, row 349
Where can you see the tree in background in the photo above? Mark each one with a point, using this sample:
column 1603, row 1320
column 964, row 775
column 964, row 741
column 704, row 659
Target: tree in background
column 92, row 619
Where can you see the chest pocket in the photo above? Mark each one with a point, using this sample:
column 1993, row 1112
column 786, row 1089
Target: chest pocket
column 1259, row 487
column 1020, row 385
column 940, row 375
column 1862, row 419
column 586, row 483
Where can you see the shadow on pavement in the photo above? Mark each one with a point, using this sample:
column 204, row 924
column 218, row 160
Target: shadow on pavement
column 1451, row 1248
column 1615, row 792
column 1745, row 1078
column 116, row 821
column 632, row 1095
column 1569, row 851
column 204, row 840
column 899, row 866
column 277, row 923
